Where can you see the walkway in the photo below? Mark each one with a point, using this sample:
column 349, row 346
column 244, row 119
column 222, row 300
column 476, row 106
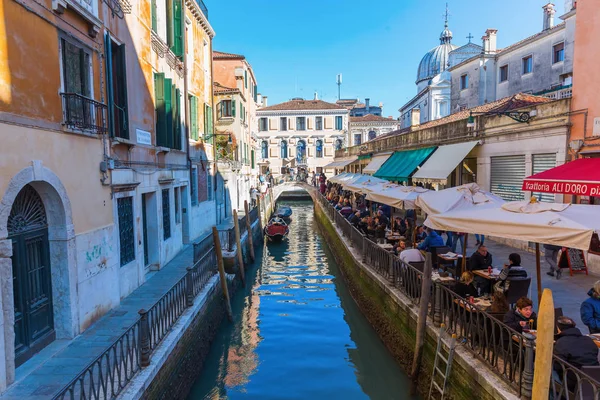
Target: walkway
column 64, row 359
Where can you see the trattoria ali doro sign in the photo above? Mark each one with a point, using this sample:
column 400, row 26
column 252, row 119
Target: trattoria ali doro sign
column 563, row 187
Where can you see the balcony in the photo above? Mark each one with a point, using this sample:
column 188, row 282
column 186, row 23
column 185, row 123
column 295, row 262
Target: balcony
column 83, row 113
column 558, row 93
column 202, row 8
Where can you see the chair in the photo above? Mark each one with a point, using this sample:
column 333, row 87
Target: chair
column 434, row 254
column 518, row 288
column 587, row 391
column 419, row 265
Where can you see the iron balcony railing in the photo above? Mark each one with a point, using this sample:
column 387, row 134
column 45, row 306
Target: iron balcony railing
column 83, row 113
column 504, row 350
column 109, row 373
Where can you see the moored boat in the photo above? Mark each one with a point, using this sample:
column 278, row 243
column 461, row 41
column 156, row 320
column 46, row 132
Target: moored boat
column 276, row 230
column 284, row 212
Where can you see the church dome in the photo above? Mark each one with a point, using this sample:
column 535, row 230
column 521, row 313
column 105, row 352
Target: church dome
column 436, row 59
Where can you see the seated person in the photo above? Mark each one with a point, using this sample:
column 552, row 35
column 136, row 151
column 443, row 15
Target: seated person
column 499, row 303
column 481, row 259
column 382, row 218
column 339, row 205
column 400, row 248
column 354, row 218
column 411, row 255
column 465, row 287
column 521, row 315
column 511, row 270
column 432, row 240
column 346, row 210
column 420, row 235
column 400, row 225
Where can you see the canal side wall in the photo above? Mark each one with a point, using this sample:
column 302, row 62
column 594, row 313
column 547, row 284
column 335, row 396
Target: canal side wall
column 394, row 317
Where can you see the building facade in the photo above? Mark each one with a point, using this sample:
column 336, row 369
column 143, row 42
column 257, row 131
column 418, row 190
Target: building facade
column 100, row 180
column 300, row 134
column 368, row 127
column 235, row 90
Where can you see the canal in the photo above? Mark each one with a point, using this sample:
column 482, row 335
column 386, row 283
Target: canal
column 297, row 332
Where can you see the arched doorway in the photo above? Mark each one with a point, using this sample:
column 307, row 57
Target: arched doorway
column 32, row 278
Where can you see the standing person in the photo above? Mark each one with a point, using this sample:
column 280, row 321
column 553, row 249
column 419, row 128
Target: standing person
column 480, row 239
column 458, row 237
column 590, row 309
column 551, row 257
column 253, row 195
column 313, row 180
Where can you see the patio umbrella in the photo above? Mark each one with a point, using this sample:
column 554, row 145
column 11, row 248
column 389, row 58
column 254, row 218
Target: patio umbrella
column 342, row 177
column 393, row 195
column 362, row 183
column 469, row 196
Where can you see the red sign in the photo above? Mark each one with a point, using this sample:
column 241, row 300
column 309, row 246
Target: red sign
column 576, row 188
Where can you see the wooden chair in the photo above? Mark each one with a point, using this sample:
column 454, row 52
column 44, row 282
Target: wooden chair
column 434, row 254
column 518, row 288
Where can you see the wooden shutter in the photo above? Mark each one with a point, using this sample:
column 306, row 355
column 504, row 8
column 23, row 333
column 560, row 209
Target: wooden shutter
column 123, row 87
column 161, row 117
column 193, row 118
column 109, row 84
column 177, row 120
column 177, row 46
column 233, row 108
column 168, row 90
column 154, row 18
column 255, row 93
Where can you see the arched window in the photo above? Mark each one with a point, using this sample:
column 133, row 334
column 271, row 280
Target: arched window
column 319, row 146
column 338, row 144
column 301, row 150
column 372, row 135
column 284, row 149
column 264, row 147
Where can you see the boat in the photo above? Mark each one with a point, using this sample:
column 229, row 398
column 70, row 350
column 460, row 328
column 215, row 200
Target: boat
column 284, row 212
column 276, row 230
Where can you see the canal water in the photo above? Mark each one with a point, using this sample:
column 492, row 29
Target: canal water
column 297, row 333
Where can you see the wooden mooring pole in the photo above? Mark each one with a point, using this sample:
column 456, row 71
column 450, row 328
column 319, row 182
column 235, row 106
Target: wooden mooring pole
column 421, row 324
column 249, row 227
column 221, row 267
column 238, row 244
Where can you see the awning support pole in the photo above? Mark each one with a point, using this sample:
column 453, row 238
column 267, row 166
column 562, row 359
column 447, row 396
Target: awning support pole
column 464, row 257
column 538, row 272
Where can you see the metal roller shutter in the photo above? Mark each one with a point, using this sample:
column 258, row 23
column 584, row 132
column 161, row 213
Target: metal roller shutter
column 541, row 163
column 507, row 174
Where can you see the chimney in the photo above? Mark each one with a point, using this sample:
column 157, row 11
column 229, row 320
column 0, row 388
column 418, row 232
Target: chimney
column 367, row 106
column 568, row 5
column 264, row 102
column 415, row 117
column 259, row 99
column 490, row 41
column 549, row 12
column 316, row 95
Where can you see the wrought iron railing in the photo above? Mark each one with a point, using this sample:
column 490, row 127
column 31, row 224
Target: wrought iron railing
column 106, row 376
column 507, row 352
column 80, row 112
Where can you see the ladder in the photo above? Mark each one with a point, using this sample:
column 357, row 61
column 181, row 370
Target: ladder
column 440, row 359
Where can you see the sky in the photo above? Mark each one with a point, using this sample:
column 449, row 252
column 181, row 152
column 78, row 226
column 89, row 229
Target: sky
column 297, row 47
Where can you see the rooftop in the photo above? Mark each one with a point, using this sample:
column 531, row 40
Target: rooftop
column 219, row 55
column 295, row 105
column 372, row 118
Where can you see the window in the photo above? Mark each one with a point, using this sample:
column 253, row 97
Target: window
column 166, row 210
column 372, row 135
column 227, row 108
column 194, row 186
column 168, row 117
column 338, row 144
column 357, row 139
column 559, row 52
column 300, row 123
column 319, row 148
column 464, row 81
column 174, row 21
column 319, row 123
column 264, row 150
column 284, row 149
column 126, row 239
column 76, row 85
column 263, row 124
column 283, row 124
column 177, row 205
column 504, row 73
column 339, row 123
column 116, row 88
column 208, row 120
column 527, row 65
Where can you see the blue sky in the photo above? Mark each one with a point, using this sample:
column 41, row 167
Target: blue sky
column 298, row 47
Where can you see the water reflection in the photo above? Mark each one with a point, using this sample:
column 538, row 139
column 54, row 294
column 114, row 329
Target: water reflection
column 297, row 333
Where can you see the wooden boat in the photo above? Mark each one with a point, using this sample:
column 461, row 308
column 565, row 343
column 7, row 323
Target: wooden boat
column 284, row 212
column 276, row 230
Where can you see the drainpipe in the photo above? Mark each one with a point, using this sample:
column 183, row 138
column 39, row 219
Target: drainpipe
column 186, row 105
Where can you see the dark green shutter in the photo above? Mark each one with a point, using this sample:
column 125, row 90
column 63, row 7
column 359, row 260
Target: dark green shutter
column 177, row 101
column 123, row 87
column 161, row 117
column 252, row 158
column 109, row 84
column 170, row 22
column 177, row 34
column 168, row 90
column 255, row 93
column 246, row 79
column 193, row 118
column 208, row 122
column 154, row 19
column 233, row 108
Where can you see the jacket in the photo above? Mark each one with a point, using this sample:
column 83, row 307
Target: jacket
column 575, row 348
column 479, row 262
column 590, row 312
column 513, row 319
column 464, row 290
column 432, row 240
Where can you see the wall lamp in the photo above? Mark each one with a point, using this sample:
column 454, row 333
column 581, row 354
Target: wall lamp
column 519, row 116
column 206, row 138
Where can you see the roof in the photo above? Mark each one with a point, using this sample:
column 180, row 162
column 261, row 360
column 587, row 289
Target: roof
column 218, row 88
column 514, row 102
column 542, row 33
column 294, row 105
column 219, row 55
column 371, row 118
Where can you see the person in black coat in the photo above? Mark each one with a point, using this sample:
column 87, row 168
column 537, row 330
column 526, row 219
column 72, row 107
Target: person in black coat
column 481, row 259
column 465, row 287
column 521, row 315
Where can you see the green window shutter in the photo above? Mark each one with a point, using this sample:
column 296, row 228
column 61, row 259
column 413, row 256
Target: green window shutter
column 170, row 19
column 168, row 89
column 109, row 84
column 233, row 108
column 160, row 105
column 210, row 120
column 255, row 93
column 193, row 118
column 252, row 158
column 123, row 87
column 177, row 46
column 246, row 79
column 154, row 18
column 177, row 119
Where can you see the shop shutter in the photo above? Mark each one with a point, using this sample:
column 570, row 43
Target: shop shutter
column 541, row 163
column 507, row 174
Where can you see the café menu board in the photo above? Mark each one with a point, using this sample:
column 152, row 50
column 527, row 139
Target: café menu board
column 574, row 259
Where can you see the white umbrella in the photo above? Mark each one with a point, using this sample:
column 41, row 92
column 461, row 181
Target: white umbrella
column 362, row 183
column 467, row 197
column 393, row 195
column 342, row 177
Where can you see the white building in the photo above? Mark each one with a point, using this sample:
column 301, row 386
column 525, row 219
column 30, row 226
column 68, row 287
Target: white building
column 369, row 127
column 300, row 134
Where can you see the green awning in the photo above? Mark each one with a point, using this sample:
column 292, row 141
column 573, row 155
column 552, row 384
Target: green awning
column 364, row 156
column 402, row 164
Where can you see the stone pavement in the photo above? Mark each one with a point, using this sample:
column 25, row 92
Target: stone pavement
column 568, row 292
column 64, row 359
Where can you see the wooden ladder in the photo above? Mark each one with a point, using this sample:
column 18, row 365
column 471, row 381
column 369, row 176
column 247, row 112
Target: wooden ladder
column 440, row 359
